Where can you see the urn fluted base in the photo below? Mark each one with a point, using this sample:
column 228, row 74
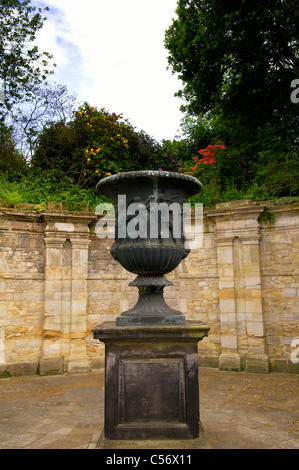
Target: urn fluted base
column 151, row 308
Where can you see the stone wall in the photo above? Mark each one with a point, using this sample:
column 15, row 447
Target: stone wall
column 58, row 280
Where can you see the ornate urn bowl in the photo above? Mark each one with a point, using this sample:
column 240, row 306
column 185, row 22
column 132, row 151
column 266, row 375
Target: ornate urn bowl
column 149, row 237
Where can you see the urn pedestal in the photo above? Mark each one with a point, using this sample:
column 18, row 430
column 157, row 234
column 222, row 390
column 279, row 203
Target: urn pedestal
column 151, row 380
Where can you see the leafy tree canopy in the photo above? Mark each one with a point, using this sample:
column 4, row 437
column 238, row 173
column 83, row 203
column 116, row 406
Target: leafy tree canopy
column 236, row 57
column 22, row 64
column 51, row 104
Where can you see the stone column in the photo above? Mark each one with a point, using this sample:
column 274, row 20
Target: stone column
column 256, row 359
column 240, row 295
column 66, row 299
column 229, row 358
column 66, row 270
column 78, row 360
column 3, row 308
column 51, row 360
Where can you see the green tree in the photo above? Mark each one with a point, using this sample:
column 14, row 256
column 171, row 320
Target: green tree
column 177, row 154
column 55, row 147
column 51, row 104
column 12, row 163
column 237, row 59
column 22, row 64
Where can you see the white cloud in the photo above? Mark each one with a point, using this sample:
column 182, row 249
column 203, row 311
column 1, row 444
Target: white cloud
column 111, row 53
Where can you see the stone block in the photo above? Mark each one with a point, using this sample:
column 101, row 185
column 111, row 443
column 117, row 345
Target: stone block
column 97, row 362
column 229, row 361
column 253, row 281
column 255, row 328
column 226, row 305
column 225, row 271
column 293, row 368
column 78, row 344
column 52, row 308
column 3, row 309
column 51, row 365
column 5, row 371
column 78, row 365
column 279, row 365
column 254, row 306
column 226, row 283
column 229, row 341
column 79, row 307
column 79, row 285
column 289, row 293
column 24, row 368
column 224, row 255
column 208, row 361
column 259, row 365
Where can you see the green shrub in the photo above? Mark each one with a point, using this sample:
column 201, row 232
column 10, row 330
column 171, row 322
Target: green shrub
column 42, row 187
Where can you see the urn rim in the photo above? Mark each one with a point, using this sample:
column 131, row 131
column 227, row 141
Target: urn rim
column 152, row 174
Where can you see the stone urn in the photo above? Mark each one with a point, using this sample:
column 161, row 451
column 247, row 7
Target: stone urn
column 149, row 237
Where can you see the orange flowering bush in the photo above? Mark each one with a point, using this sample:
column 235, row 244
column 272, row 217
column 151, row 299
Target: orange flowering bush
column 95, row 144
column 103, row 146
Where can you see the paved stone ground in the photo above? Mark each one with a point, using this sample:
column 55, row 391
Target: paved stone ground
column 238, row 411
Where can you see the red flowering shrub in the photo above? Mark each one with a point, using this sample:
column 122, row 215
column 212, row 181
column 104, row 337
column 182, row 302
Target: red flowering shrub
column 209, row 155
column 209, row 158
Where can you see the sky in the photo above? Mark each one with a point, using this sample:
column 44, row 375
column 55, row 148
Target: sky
column 111, row 54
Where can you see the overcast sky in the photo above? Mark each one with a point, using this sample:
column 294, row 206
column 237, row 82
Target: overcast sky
column 111, row 54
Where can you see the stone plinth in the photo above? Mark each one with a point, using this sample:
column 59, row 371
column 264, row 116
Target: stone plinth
column 151, row 380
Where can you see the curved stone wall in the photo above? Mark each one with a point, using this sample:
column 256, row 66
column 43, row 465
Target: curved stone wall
column 58, row 280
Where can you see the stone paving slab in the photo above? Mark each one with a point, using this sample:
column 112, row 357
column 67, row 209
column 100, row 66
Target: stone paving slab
column 238, row 411
column 55, row 412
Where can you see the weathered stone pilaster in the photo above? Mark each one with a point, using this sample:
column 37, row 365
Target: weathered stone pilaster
column 229, row 357
column 51, row 360
column 78, row 360
column 3, row 309
column 240, row 295
column 256, row 359
column 66, row 273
